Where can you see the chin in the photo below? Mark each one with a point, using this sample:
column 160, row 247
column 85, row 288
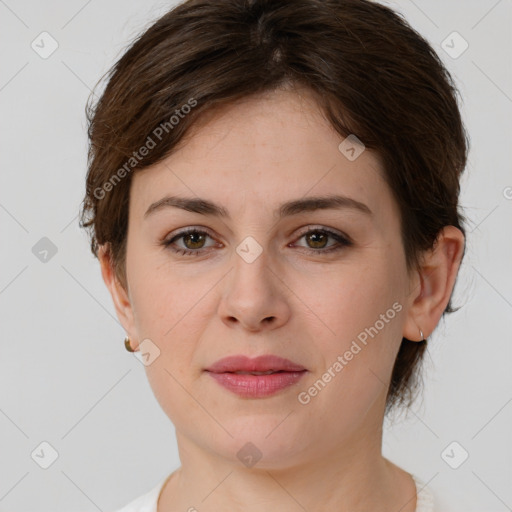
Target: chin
column 262, row 441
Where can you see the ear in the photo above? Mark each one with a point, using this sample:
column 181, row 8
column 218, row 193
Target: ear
column 431, row 286
column 120, row 295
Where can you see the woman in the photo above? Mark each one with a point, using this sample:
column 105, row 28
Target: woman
column 272, row 194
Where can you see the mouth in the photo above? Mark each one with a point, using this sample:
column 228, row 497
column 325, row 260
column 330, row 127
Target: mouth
column 270, row 372
column 262, row 365
column 249, row 385
column 256, row 378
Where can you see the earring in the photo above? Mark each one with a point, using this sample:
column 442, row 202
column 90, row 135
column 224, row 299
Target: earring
column 128, row 345
column 421, row 334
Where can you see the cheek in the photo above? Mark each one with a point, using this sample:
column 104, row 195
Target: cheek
column 357, row 364
column 172, row 309
column 358, row 319
column 166, row 312
column 161, row 299
column 349, row 299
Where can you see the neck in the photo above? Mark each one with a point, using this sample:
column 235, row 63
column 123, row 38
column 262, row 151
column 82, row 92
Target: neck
column 350, row 477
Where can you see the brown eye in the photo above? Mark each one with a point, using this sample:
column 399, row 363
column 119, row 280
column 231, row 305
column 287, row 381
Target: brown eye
column 193, row 241
column 317, row 239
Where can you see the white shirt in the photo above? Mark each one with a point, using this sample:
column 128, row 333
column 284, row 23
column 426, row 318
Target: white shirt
column 147, row 502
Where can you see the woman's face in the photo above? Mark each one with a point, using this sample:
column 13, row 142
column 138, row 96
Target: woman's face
column 263, row 281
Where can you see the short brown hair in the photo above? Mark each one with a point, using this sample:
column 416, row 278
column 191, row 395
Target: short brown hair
column 372, row 74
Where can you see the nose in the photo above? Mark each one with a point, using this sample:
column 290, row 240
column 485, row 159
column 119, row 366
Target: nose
column 254, row 297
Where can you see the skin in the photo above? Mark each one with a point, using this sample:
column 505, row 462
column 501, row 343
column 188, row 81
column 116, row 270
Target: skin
column 250, row 157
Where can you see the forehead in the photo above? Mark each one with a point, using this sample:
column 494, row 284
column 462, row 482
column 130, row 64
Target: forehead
column 260, row 152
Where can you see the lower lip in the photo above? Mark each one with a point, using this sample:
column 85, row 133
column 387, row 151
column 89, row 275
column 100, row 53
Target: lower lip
column 257, row 386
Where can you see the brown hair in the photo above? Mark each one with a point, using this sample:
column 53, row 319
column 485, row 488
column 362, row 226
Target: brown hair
column 372, row 75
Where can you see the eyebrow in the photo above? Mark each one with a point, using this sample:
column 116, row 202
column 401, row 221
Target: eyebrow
column 294, row 207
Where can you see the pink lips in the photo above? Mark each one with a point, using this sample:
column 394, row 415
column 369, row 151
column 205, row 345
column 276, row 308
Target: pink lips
column 258, row 364
column 284, row 373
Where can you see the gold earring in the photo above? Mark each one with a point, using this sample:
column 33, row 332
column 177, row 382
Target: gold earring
column 128, row 345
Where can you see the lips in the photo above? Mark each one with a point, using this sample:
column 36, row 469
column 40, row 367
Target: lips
column 261, row 377
column 262, row 365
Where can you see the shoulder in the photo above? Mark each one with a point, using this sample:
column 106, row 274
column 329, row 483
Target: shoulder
column 145, row 503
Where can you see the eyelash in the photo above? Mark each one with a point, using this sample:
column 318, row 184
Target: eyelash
column 342, row 242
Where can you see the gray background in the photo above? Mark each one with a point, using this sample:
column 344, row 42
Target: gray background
column 65, row 377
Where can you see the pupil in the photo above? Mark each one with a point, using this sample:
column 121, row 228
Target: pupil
column 191, row 236
column 315, row 236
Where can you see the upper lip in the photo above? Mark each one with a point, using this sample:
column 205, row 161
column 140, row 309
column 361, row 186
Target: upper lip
column 259, row 364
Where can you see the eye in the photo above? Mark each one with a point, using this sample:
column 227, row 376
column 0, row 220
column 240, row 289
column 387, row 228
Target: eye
column 194, row 240
column 317, row 238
